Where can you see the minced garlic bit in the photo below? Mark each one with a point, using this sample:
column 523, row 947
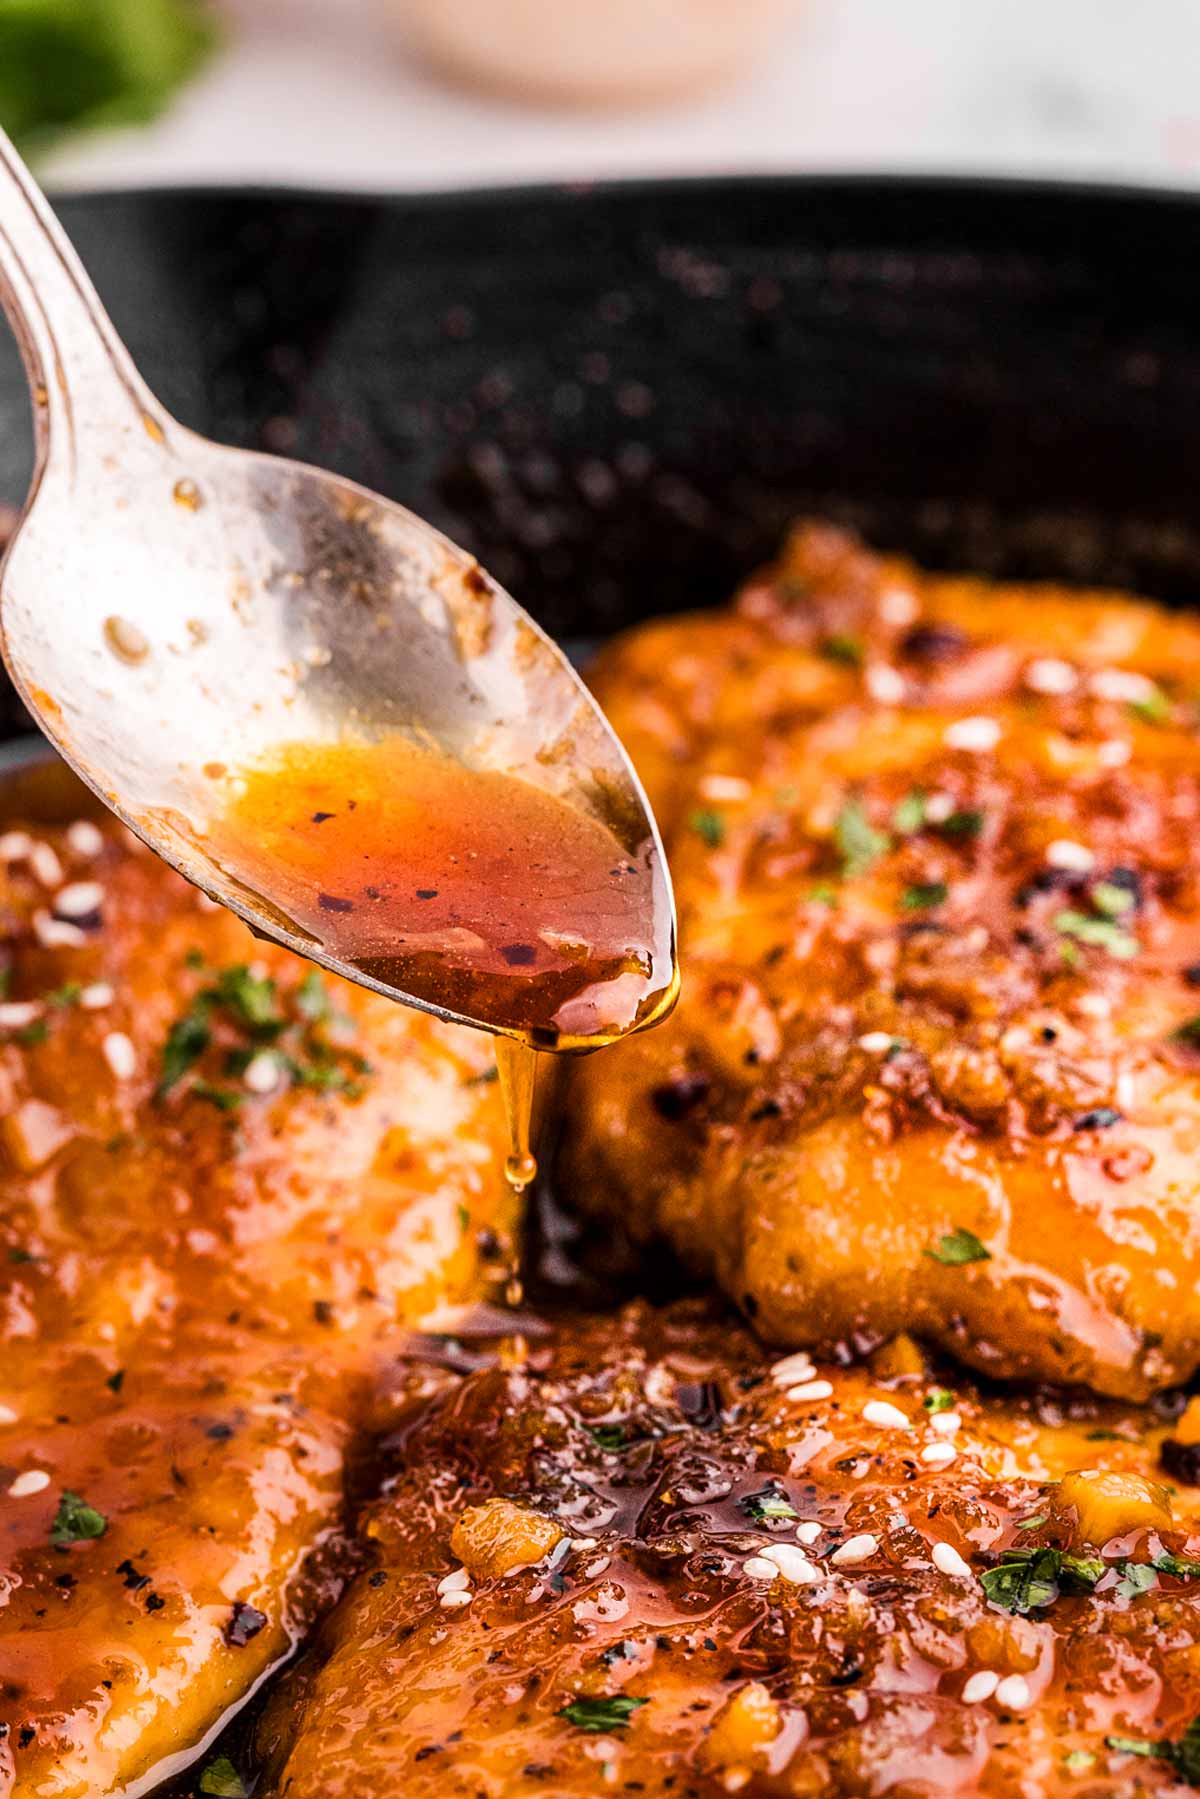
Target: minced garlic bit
column 876, row 1043
column 34, row 1480
column 96, row 996
column 15, row 846
column 78, row 900
column 45, row 865
column 15, row 1014
column 1121, row 685
column 977, row 734
column 262, row 1073
column 884, row 684
column 945, row 1423
column 724, row 788
column 7, row 1415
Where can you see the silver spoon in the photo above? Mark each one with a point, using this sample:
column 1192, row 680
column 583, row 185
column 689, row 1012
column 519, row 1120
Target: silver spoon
column 170, row 606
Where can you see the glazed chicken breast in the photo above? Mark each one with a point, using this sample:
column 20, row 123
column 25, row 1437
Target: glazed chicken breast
column 637, row 1558
column 936, row 847
column 225, row 1182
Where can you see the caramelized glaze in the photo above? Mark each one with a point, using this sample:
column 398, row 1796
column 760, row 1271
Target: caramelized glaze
column 936, row 849
column 643, row 1561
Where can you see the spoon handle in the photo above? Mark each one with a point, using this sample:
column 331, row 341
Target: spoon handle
column 80, row 374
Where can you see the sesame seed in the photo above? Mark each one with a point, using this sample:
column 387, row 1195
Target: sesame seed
column 15, row 846
column 1094, row 1005
column 813, row 1389
column 457, row 1581
column 453, row 1600
column 947, row 1560
column 759, row 1568
column 938, row 807
column 724, row 787
column 1121, row 685
column 938, row 1455
column 84, row 838
column 78, row 900
column 888, row 1417
column 876, row 1043
column 261, row 1073
column 792, row 1368
column 118, row 1051
column 945, row 1423
column 34, row 1480
column 1049, row 675
column 45, row 864
column 95, row 997
column 808, row 1532
column 980, row 1686
column 1064, row 853
column 1114, row 752
column 56, row 933
column 792, row 1563
column 1013, row 1691
column 855, row 1549
column 15, row 1014
column 884, row 684
column 898, row 606
column 978, row 734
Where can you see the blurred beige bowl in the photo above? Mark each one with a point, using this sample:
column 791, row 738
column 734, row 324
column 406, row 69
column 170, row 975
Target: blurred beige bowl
column 597, row 52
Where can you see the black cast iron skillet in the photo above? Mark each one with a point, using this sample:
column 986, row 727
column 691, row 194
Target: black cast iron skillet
column 619, row 396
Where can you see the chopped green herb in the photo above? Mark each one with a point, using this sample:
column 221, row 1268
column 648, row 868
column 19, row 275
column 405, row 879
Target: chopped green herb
column 1181, row 1566
column 1079, row 1761
column 484, row 1078
column 923, row 895
column 1038, row 1518
column 1184, row 1755
column 608, row 1436
column 939, row 1399
column 1103, row 933
column 187, row 1040
column 1109, row 1436
column 710, row 826
column 20, row 1256
column 221, row 1780
column 958, row 1247
column 312, row 998
column 843, row 649
column 1188, row 1031
column 967, row 823
column 1136, row 1577
column 823, row 895
column 909, row 815
column 75, row 1521
column 601, row 1714
column 250, row 998
column 37, row 1032
column 1112, row 900
column 66, row 995
column 225, row 1099
column 1028, row 1580
column 1153, row 708
column 194, row 958
column 464, row 1217
column 772, row 1502
column 858, row 844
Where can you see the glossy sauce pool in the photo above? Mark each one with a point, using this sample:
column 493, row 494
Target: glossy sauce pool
column 470, row 891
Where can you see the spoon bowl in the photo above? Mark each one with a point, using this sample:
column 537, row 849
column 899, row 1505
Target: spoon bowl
column 171, row 609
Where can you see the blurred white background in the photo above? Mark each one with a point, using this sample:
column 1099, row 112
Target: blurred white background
column 321, row 92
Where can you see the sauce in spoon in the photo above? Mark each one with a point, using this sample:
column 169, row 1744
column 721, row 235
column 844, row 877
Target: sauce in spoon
column 468, row 890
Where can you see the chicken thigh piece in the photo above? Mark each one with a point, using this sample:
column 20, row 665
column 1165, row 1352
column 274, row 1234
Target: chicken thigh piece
column 642, row 1560
column 936, row 1063
column 225, row 1184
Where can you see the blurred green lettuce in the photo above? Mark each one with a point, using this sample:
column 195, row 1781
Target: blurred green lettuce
column 71, row 64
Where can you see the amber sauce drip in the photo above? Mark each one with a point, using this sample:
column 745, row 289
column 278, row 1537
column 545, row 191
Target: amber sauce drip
column 470, row 890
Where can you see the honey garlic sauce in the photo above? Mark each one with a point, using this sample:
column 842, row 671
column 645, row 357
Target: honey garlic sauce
column 469, row 891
